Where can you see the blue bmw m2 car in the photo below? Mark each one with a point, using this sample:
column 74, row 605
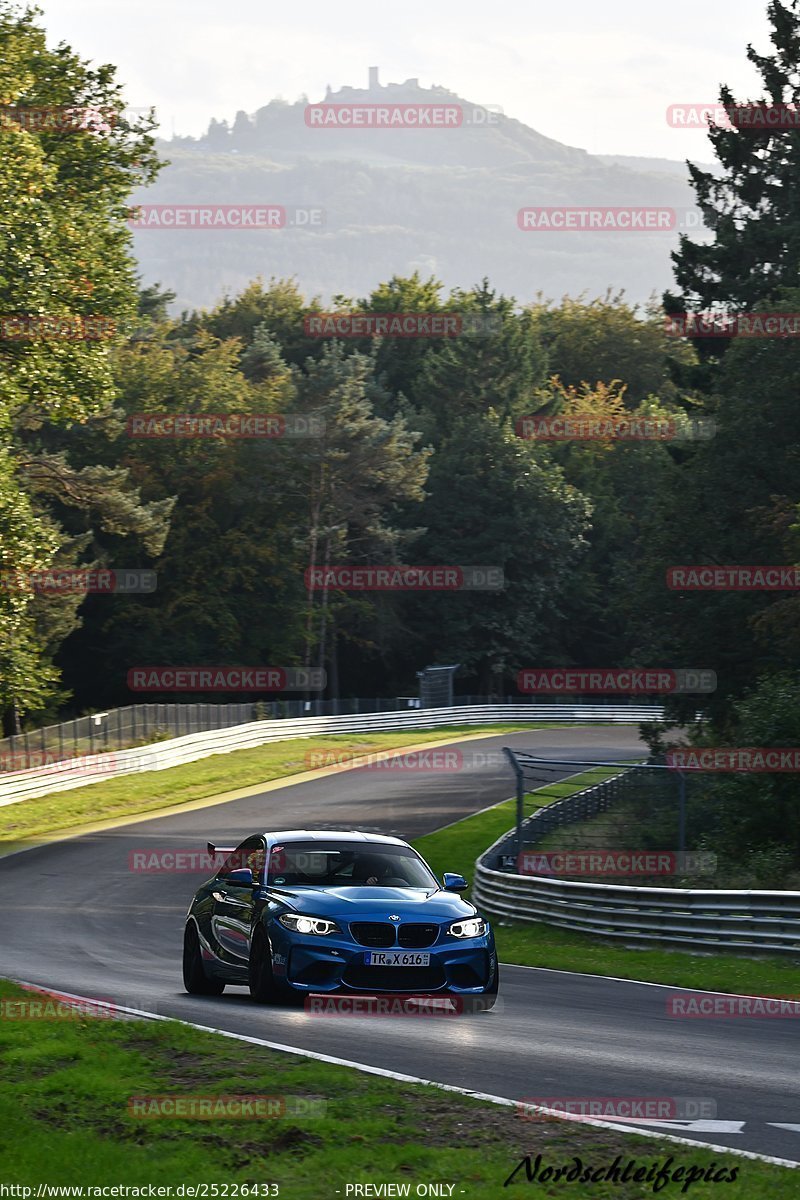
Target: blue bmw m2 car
column 307, row 911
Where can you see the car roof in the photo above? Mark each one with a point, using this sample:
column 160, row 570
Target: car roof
column 332, row 835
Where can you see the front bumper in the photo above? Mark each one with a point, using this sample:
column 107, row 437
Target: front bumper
column 336, row 963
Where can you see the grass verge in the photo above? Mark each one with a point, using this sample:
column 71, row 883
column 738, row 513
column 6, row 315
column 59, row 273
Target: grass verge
column 132, row 795
column 534, row 944
column 462, row 842
column 66, row 1120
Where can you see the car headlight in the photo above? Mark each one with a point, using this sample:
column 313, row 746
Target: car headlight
column 472, row 927
column 298, row 923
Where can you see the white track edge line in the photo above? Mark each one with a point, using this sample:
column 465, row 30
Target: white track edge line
column 365, row 1068
column 672, row 987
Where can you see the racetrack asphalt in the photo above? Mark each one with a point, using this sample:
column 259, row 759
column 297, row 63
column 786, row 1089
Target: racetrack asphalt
column 77, row 919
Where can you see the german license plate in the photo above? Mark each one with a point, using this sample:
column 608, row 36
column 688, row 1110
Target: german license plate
column 396, row 958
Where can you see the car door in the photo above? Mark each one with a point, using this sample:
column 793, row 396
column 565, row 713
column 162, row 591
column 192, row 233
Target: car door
column 234, row 905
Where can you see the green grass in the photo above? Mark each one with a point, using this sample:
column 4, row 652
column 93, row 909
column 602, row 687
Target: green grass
column 535, row 944
column 131, row 795
column 464, row 841
column 64, row 1120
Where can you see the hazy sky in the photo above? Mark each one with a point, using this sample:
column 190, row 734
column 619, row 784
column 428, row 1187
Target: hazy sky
column 598, row 76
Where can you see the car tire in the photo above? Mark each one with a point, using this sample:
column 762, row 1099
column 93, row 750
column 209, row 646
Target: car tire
column 195, row 980
column 264, row 988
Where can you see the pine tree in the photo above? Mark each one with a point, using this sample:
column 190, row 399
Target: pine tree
column 752, row 206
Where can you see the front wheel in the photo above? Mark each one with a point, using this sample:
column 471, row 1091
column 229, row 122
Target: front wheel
column 259, row 975
column 264, row 987
column 195, row 980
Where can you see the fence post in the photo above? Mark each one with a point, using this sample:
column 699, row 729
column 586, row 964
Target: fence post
column 520, row 795
column 681, row 811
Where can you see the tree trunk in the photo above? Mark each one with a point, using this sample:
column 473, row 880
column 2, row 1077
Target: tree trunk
column 333, row 682
column 316, row 502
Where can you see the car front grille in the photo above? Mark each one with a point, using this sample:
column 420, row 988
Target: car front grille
column 414, row 937
column 373, row 933
column 394, row 979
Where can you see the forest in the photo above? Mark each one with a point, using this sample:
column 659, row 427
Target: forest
column 438, row 450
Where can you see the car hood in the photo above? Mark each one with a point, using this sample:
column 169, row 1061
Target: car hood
column 375, row 903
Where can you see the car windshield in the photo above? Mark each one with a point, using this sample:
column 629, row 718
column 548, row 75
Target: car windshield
column 344, row 864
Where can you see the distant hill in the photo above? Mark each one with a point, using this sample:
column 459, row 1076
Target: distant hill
column 663, row 166
column 443, row 201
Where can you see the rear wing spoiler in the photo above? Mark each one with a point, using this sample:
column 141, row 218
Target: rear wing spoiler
column 215, row 850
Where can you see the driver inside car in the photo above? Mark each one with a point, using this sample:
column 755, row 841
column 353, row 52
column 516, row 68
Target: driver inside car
column 368, row 869
column 377, row 872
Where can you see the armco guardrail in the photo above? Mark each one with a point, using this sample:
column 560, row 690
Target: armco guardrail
column 720, row 920
column 77, row 772
column 139, row 724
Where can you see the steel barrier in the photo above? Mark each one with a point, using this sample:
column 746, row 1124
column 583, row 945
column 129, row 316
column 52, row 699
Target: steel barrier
column 77, row 772
column 744, row 921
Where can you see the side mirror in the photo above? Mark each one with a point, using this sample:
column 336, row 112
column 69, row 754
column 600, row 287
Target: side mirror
column 241, row 878
column 454, row 883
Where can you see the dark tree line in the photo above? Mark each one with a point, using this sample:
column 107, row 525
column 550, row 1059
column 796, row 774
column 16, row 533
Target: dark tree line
column 419, row 463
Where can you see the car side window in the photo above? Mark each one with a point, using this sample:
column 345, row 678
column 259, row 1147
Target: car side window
column 231, row 863
column 255, row 859
column 251, row 853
